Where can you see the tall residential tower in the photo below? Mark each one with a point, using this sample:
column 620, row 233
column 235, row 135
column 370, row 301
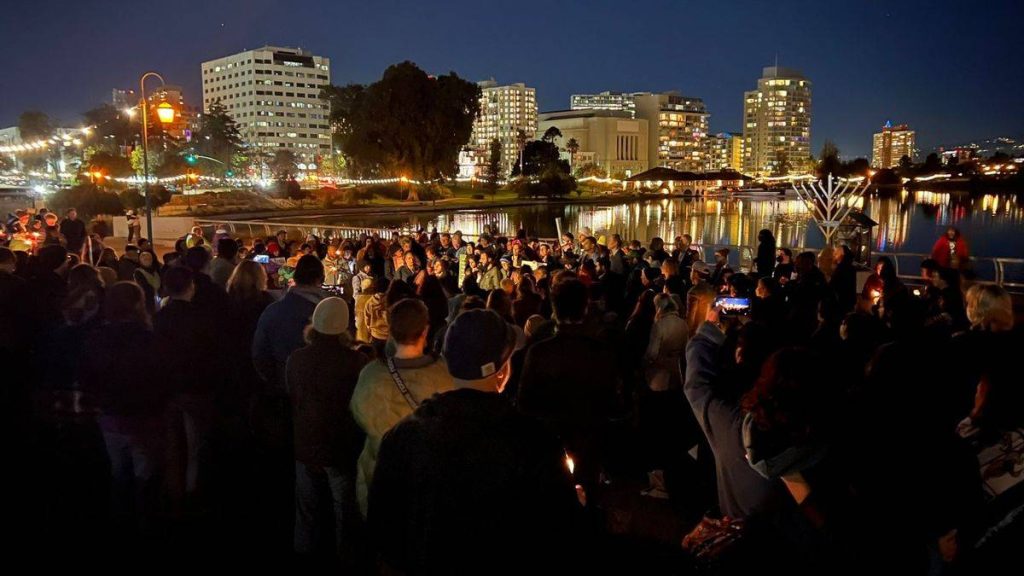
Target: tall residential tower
column 892, row 144
column 777, row 124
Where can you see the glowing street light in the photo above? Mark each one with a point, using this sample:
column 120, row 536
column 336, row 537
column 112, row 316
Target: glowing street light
column 165, row 113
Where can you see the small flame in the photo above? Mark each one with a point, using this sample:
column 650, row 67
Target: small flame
column 569, row 462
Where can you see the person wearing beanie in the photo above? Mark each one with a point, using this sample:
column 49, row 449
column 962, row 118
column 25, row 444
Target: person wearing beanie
column 320, row 378
column 466, row 463
column 392, row 386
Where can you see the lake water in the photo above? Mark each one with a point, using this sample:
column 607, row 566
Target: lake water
column 993, row 224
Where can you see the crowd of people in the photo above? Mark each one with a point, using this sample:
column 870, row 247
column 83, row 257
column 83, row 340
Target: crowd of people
column 424, row 404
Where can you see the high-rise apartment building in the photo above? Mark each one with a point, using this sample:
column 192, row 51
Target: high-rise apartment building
column 504, row 112
column 678, row 129
column 614, row 101
column 892, row 144
column 777, row 123
column 725, row 152
column 273, row 94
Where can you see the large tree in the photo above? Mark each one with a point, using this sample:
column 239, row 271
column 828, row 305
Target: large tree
column 113, row 127
column 283, row 165
column 218, row 136
column 344, row 102
column 409, row 123
column 829, row 163
column 541, row 156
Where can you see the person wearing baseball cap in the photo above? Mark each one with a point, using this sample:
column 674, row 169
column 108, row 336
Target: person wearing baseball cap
column 467, row 463
column 477, row 348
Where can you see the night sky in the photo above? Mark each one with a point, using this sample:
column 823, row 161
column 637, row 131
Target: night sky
column 953, row 70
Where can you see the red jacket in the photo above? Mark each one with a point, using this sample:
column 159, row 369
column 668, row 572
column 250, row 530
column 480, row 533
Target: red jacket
column 942, row 254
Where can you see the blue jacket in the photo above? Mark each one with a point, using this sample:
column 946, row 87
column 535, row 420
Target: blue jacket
column 742, row 492
column 279, row 333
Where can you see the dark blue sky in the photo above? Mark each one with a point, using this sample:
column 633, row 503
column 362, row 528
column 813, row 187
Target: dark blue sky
column 953, row 70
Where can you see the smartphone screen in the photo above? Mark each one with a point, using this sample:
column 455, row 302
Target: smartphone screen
column 261, row 258
column 730, row 305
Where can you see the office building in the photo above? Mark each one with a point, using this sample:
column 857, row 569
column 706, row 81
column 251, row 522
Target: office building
column 504, row 112
column 273, row 94
column 610, row 139
column 677, row 130
column 777, row 124
column 892, row 144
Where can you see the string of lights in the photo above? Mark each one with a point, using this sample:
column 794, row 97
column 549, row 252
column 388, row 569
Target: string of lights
column 67, row 139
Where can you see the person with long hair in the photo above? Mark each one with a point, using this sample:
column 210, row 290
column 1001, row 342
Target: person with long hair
column 764, row 262
column 147, row 276
column 247, row 299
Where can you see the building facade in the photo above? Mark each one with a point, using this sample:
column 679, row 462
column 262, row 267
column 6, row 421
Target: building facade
column 892, row 144
column 609, row 139
column 184, row 115
column 613, row 101
column 122, row 98
column 504, row 112
column 273, row 94
column 777, row 123
column 677, row 130
column 725, row 152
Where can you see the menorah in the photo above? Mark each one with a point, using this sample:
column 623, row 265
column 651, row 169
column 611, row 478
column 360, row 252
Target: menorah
column 830, row 204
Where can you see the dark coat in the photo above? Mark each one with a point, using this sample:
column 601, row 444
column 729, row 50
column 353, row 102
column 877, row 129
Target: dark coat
column 462, row 461
column 321, row 378
column 570, row 381
column 120, row 371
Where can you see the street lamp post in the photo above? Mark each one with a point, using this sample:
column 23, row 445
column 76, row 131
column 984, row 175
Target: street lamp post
column 165, row 113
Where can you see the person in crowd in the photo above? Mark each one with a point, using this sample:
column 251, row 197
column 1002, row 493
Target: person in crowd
column 700, row 297
column 248, row 298
column 435, row 477
column 662, row 404
column 147, row 276
column 950, row 250
column 784, row 268
column 366, row 292
column 73, row 231
column 321, row 378
column 392, row 387
column 375, row 310
column 128, row 263
column 188, row 341
column 843, row 282
column 489, row 276
column 280, row 327
column 764, row 262
column 223, row 265
column 722, row 270
column 570, row 381
column 130, row 409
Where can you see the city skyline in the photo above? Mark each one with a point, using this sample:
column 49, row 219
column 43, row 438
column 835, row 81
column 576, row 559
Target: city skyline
column 951, row 55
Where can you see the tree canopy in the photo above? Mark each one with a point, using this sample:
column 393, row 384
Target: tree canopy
column 218, row 136
column 540, row 156
column 407, row 123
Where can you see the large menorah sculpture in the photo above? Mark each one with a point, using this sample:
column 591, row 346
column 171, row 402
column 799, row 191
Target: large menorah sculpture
column 829, row 204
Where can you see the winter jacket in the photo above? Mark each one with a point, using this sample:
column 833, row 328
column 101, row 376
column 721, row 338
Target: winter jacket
column 377, row 404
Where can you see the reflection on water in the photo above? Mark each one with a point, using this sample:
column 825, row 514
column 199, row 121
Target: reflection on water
column 908, row 222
